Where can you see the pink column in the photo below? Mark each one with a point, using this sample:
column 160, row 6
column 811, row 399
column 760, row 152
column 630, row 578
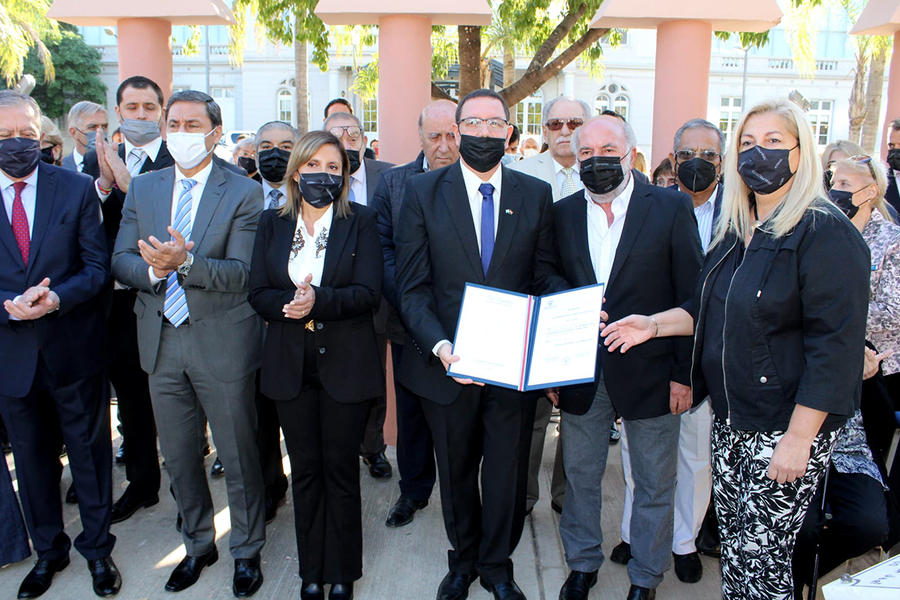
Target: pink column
column 404, row 83
column 145, row 48
column 681, row 84
column 893, row 92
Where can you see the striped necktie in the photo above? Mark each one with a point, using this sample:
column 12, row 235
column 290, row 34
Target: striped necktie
column 135, row 161
column 175, row 307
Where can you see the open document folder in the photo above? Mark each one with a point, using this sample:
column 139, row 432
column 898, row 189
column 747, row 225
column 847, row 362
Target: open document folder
column 527, row 342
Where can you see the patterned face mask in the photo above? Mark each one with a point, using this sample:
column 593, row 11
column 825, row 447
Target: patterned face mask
column 765, row 170
column 320, row 189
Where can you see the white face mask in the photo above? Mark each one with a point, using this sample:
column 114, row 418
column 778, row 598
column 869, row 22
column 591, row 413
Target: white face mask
column 188, row 149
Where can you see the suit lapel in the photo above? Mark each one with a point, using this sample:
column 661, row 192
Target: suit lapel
column 43, row 210
column 507, row 218
column 638, row 207
column 456, row 199
column 582, row 250
column 161, row 202
column 337, row 239
column 209, row 202
column 9, row 240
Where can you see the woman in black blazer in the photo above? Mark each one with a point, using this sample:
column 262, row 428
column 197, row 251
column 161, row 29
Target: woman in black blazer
column 315, row 277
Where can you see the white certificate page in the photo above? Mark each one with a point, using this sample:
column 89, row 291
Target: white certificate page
column 491, row 336
column 566, row 337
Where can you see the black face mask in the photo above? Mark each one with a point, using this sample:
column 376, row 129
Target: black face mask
column 844, row 201
column 273, row 164
column 248, row 163
column 47, row 155
column 602, row 174
column 697, row 174
column 481, row 153
column 320, row 189
column 353, row 158
column 19, row 156
column 893, row 159
column 765, row 170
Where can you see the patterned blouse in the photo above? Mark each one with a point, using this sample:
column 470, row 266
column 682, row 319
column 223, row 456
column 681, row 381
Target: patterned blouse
column 883, row 325
column 851, row 452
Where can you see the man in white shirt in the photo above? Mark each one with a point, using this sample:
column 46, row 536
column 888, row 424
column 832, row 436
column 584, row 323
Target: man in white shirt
column 84, row 120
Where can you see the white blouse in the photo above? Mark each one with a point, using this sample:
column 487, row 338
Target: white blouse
column 308, row 251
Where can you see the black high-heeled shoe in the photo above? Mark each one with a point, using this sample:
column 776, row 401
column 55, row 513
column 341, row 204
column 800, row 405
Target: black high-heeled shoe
column 312, row 591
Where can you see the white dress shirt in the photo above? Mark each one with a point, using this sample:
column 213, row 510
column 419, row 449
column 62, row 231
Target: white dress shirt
column 196, row 194
column 267, row 187
column 603, row 238
column 308, row 251
column 29, row 197
column 704, row 214
column 78, row 158
column 560, row 173
column 358, row 185
column 151, row 151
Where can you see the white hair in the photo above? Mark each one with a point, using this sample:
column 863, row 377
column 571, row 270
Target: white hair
column 80, row 111
column 545, row 116
column 630, row 138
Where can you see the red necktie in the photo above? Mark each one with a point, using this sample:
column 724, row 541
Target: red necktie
column 20, row 222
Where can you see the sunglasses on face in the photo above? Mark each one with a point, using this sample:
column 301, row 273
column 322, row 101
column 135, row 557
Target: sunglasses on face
column 557, row 124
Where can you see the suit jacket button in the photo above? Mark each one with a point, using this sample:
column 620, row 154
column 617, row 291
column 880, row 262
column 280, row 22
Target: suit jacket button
column 159, row 313
column 322, row 350
column 763, row 379
column 320, row 326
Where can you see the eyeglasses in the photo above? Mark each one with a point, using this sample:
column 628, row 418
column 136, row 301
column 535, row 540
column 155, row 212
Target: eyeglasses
column 688, row 154
column 864, row 159
column 473, row 123
column 557, row 124
column 353, row 132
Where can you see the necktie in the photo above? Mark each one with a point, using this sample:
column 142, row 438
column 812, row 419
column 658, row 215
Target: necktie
column 20, row 222
column 274, row 198
column 487, row 224
column 135, row 160
column 569, row 186
column 175, row 307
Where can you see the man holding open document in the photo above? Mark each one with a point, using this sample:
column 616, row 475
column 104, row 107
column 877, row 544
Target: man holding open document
column 472, row 222
column 641, row 241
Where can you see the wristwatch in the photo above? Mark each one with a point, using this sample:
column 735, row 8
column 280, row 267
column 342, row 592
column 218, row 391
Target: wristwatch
column 185, row 267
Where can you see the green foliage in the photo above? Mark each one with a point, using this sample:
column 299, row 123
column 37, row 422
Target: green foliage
column 282, row 20
column 77, row 74
column 191, row 45
column 444, row 50
column 24, row 25
column 365, row 84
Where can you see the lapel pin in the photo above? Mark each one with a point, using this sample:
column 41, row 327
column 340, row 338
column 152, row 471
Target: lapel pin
column 509, row 212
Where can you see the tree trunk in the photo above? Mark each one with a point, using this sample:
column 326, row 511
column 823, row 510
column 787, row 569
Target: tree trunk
column 301, row 83
column 874, row 91
column 469, row 59
column 509, row 74
column 857, row 110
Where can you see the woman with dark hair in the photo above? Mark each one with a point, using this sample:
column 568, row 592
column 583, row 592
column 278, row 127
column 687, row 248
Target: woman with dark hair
column 315, row 276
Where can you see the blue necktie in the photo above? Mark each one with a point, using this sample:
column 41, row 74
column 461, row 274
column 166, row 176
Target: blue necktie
column 175, row 307
column 487, row 224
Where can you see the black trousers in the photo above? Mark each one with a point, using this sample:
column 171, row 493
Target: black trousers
column 373, row 438
column 322, row 437
column 415, row 449
column 81, row 412
column 858, row 523
column 490, row 428
column 133, row 395
column 268, row 440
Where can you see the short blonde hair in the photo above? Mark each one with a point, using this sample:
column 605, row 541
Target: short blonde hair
column 807, row 191
column 846, row 146
column 872, row 169
column 305, row 148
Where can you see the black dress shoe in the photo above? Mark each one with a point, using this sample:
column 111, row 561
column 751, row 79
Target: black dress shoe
column 120, row 454
column 507, row 590
column 341, row 591
column 621, row 554
column 71, row 496
column 688, row 567
column 403, row 511
column 637, row 592
column 40, row 577
column 578, row 585
column 614, row 435
column 105, row 576
column 455, row 586
column 129, row 504
column 378, row 464
column 247, row 577
column 312, row 591
column 217, row 469
column 188, row 570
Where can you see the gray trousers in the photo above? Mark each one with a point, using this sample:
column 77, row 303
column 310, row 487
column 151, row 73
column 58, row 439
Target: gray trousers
column 536, row 454
column 182, row 390
column 654, row 456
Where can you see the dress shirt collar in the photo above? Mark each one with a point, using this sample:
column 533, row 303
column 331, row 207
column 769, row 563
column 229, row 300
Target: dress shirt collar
column 6, row 182
column 200, row 177
column 360, row 175
column 322, row 222
column 78, row 158
column 619, row 203
column 424, row 162
column 558, row 168
column 151, row 149
column 473, row 181
column 268, row 187
column 710, row 203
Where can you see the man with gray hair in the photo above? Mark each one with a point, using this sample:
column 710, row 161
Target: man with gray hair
column 274, row 142
column 640, row 241
column 697, row 159
column 84, row 120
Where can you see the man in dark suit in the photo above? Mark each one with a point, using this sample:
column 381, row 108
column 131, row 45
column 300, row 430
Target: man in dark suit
column 84, row 120
column 415, row 450
column 53, row 273
column 198, row 337
column 474, row 221
column 364, row 174
column 641, row 241
column 893, row 158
